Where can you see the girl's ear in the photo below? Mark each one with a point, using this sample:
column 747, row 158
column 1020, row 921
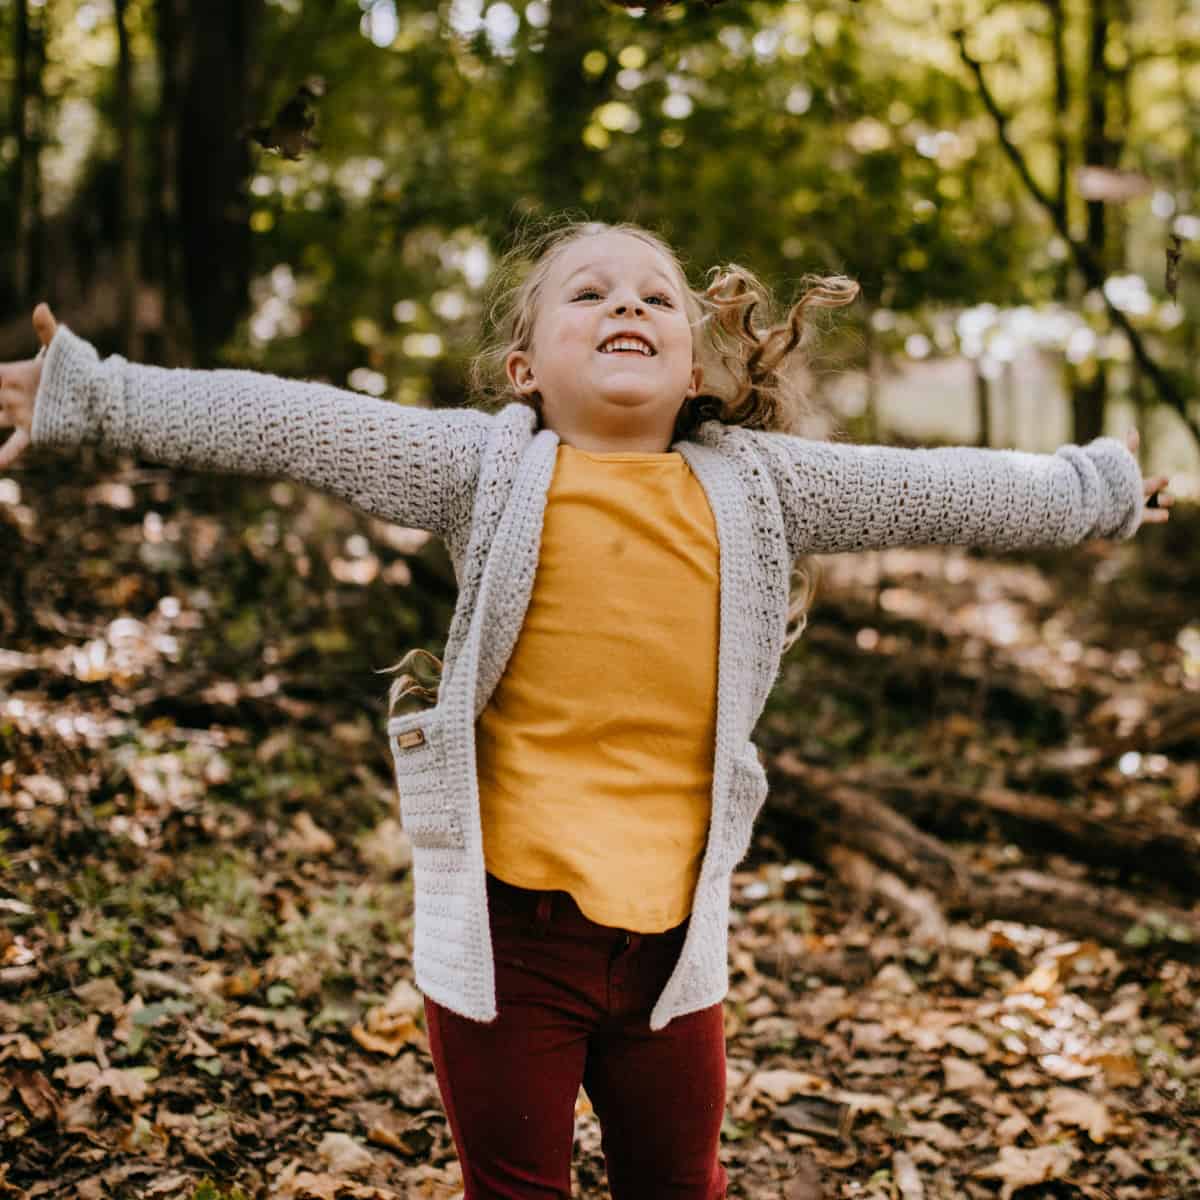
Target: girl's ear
column 520, row 372
column 697, row 380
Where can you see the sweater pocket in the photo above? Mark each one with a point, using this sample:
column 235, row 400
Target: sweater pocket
column 427, row 812
column 748, row 792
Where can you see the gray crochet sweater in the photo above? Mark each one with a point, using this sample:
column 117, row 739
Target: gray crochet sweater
column 479, row 481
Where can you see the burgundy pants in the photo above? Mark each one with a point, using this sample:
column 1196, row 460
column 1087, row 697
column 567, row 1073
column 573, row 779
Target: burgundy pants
column 574, row 1000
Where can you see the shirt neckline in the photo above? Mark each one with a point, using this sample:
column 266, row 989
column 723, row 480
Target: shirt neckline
column 623, row 455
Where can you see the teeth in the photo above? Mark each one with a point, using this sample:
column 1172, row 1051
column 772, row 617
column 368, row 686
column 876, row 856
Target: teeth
column 626, row 344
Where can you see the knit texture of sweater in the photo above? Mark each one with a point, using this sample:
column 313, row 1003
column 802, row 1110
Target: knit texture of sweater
column 479, row 481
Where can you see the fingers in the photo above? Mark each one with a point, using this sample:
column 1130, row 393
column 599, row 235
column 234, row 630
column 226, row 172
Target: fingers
column 12, row 449
column 1163, row 500
column 44, row 323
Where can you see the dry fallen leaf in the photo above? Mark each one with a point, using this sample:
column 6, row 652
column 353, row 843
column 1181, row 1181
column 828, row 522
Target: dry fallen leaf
column 1070, row 1106
column 391, row 1026
column 131, row 1083
column 935, row 1133
column 1021, row 1168
column 76, row 1041
column 36, row 1092
column 295, row 1184
column 101, row 994
column 18, row 1046
column 963, row 1075
column 78, row 1074
column 341, row 1153
column 387, row 849
column 1120, row 1070
column 969, row 1041
column 306, row 838
column 782, row 1085
column 908, row 1178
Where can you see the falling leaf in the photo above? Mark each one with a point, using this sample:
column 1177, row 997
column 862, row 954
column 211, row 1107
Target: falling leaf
column 290, row 131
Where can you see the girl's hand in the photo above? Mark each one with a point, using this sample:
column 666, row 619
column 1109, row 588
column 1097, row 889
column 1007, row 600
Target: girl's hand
column 1159, row 501
column 18, row 389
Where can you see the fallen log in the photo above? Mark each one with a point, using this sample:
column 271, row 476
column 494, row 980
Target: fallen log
column 916, row 908
column 1133, row 844
column 846, row 816
column 1176, row 727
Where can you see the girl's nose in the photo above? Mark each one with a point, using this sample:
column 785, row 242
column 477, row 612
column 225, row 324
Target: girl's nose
column 620, row 307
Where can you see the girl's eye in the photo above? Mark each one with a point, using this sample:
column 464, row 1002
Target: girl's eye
column 660, row 297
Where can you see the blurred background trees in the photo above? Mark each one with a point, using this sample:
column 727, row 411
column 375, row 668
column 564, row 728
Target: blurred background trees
column 319, row 187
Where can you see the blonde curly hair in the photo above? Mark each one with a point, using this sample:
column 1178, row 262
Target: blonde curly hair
column 753, row 373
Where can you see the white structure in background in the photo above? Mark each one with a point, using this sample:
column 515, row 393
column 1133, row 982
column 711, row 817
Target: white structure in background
column 930, row 392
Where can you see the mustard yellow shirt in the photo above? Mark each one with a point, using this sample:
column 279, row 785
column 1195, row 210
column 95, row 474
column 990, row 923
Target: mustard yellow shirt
column 595, row 751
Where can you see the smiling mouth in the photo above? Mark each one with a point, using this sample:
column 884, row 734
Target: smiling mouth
column 627, row 345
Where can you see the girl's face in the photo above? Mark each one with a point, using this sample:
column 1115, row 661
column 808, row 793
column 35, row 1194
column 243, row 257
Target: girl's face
column 593, row 391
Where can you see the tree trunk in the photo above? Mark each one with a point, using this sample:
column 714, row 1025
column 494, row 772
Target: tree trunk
column 28, row 121
column 1089, row 393
column 1062, row 104
column 216, row 103
column 983, row 405
column 128, row 214
column 176, row 348
column 571, row 95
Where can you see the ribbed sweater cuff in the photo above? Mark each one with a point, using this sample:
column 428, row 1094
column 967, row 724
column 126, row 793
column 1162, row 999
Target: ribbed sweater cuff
column 1119, row 469
column 79, row 399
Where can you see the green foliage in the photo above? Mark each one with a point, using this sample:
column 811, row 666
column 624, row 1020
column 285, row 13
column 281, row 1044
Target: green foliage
column 846, row 136
column 208, row 1190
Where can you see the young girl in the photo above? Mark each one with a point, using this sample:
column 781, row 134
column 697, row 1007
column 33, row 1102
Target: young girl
column 624, row 526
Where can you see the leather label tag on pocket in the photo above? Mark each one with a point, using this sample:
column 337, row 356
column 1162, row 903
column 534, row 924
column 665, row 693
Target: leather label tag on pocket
column 410, row 738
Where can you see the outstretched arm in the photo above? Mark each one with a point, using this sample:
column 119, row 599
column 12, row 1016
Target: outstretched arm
column 414, row 466
column 839, row 497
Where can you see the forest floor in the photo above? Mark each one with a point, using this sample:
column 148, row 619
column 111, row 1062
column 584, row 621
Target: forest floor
column 205, row 983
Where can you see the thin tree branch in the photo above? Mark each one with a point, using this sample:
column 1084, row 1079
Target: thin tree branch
column 1164, row 384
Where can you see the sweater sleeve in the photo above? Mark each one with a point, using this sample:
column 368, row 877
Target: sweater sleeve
column 414, row 466
column 844, row 497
